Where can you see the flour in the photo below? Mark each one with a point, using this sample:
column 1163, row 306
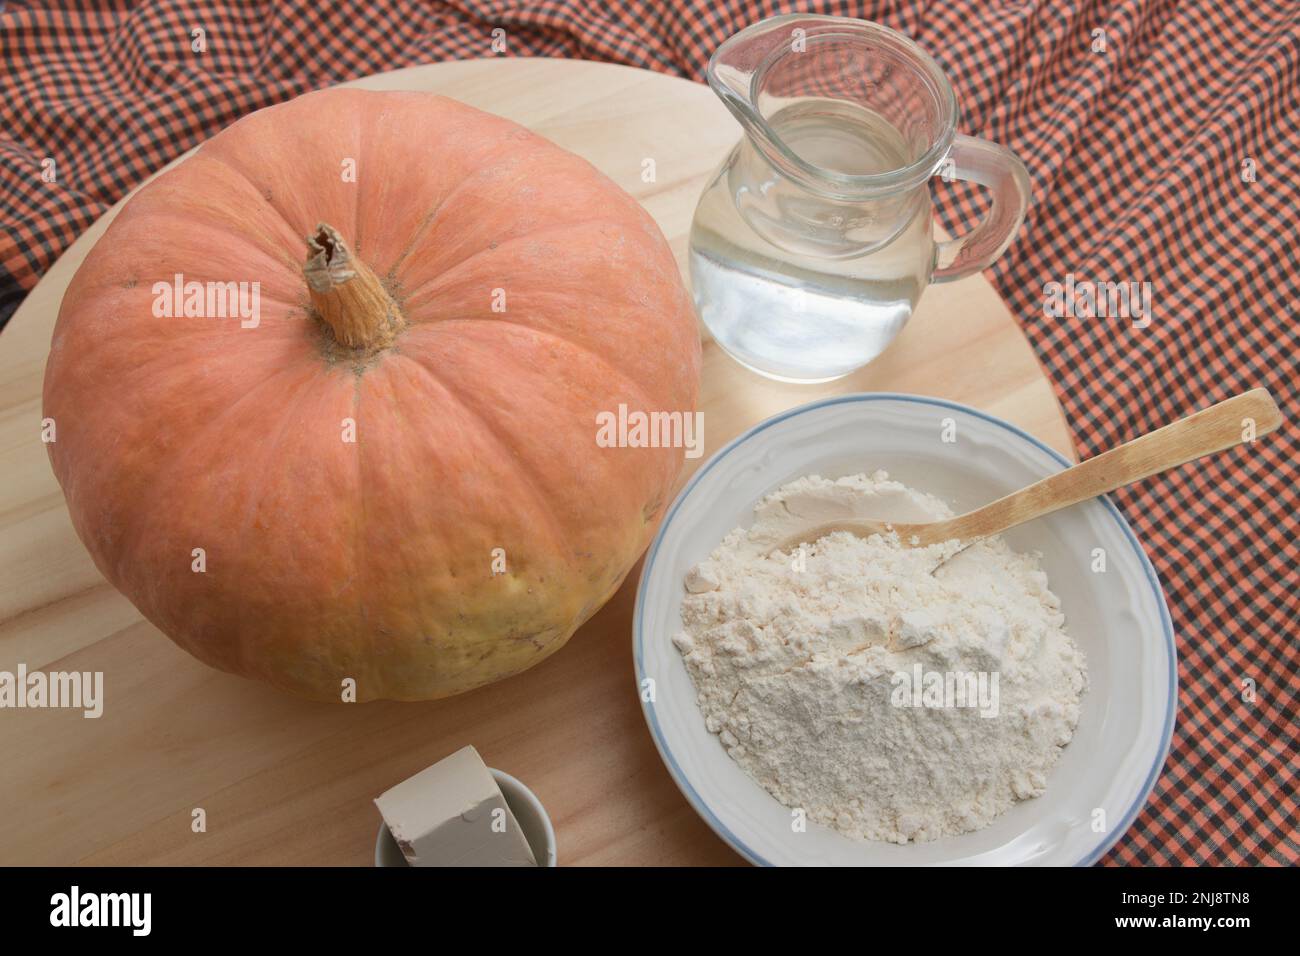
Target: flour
column 845, row 677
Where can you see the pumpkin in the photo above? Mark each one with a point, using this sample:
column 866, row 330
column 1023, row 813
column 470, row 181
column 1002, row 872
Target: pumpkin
column 390, row 474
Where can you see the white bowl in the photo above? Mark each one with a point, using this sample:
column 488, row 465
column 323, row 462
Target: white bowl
column 528, row 810
column 1118, row 618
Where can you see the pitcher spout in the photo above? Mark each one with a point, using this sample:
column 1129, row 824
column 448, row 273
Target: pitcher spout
column 741, row 58
column 737, row 67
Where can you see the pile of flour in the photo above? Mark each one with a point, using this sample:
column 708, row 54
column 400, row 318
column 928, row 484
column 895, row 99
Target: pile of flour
column 806, row 665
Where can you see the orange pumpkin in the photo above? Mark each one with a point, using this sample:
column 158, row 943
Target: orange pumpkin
column 392, row 474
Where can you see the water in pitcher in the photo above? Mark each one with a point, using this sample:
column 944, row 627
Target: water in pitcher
column 801, row 287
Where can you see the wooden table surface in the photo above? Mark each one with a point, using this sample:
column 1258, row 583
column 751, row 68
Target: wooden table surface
column 283, row 781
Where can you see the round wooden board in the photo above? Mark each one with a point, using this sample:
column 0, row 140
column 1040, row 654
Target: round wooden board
column 283, row 781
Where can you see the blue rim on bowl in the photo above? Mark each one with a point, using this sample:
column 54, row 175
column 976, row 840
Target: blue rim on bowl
column 679, row 777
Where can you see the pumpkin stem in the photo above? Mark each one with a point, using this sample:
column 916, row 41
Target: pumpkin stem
column 347, row 295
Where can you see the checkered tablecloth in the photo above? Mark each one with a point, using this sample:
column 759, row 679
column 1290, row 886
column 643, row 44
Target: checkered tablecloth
column 1163, row 138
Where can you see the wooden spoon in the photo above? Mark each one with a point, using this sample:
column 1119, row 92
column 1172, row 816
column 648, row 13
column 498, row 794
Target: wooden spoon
column 1205, row 432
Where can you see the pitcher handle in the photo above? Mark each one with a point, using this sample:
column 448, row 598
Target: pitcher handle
column 1002, row 172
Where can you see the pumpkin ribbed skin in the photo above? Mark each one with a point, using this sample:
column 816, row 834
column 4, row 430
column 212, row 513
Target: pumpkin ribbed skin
column 475, row 429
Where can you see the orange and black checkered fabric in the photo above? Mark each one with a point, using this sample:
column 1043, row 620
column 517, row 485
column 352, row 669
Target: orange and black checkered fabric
column 1163, row 137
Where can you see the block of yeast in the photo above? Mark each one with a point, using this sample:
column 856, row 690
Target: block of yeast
column 453, row 814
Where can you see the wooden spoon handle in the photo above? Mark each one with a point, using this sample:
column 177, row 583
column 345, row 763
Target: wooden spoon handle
column 1203, row 433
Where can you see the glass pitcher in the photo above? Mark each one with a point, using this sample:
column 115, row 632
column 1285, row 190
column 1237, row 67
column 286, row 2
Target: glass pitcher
column 814, row 240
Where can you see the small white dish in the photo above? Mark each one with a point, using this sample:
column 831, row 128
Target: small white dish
column 528, row 810
column 1118, row 617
